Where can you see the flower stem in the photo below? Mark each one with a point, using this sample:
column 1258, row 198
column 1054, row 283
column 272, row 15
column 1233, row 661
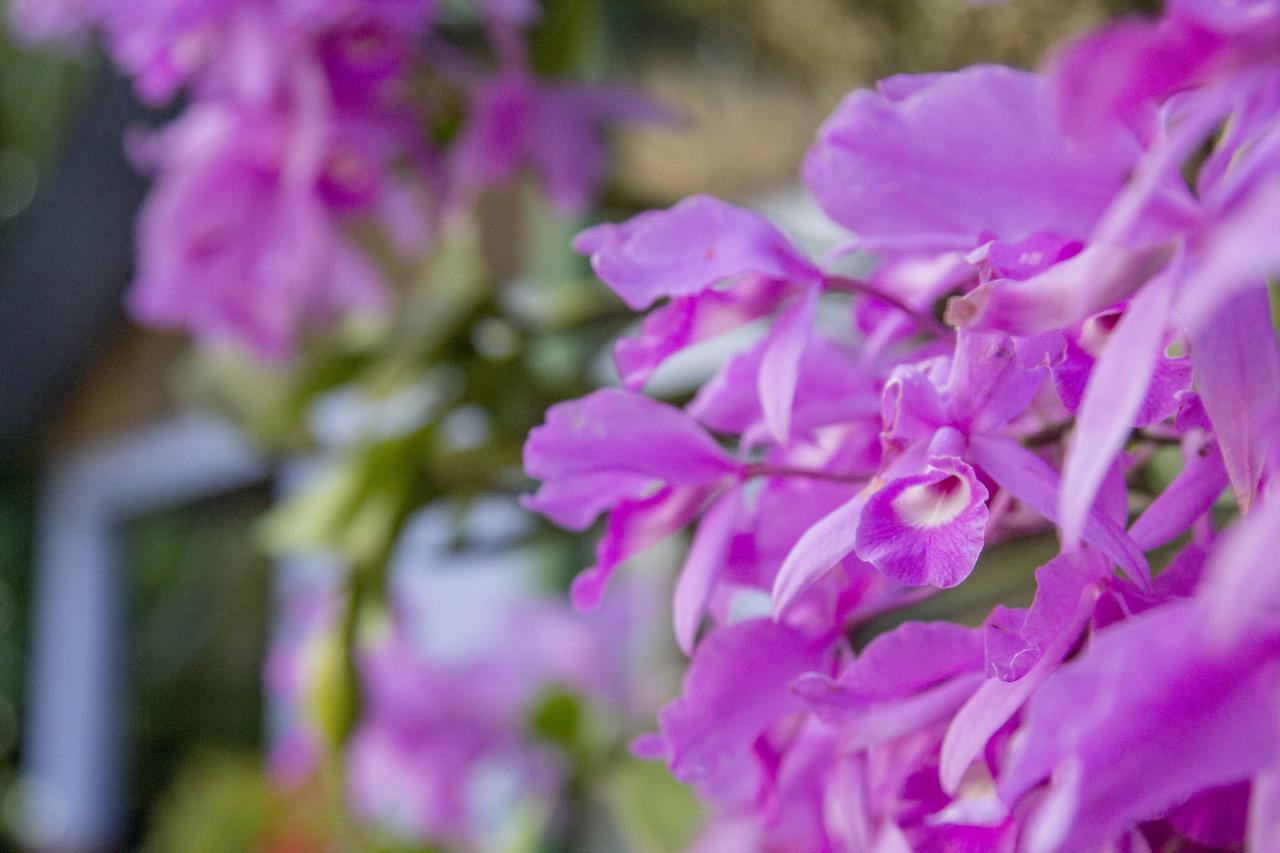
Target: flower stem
column 844, row 284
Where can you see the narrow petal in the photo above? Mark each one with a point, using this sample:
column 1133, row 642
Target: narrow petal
column 1034, row 482
column 816, row 553
column 702, row 567
column 633, row 526
column 1241, row 586
column 1237, row 255
column 1237, row 367
column 688, row 320
column 780, row 364
column 1052, row 626
column 833, row 387
column 1111, row 402
column 1201, row 480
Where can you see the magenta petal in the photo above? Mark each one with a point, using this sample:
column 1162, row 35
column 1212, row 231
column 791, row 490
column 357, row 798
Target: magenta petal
column 1169, row 381
column 926, row 529
column 1200, row 482
column 780, row 363
column 1264, row 809
column 992, row 704
column 1216, row 817
column 781, row 512
column 1034, row 482
column 687, row 249
column 1023, row 259
column 702, row 567
column 898, row 663
column 613, row 445
column 735, row 689
column 1120, row 72
column 942, row 159
column 1237, row 367
column 1063, row 294
column 1047, row 633
column 1060, row 585
column 1115, row 392
column 821, row 547
column 833, row 387
column 1237, row 254
column 633, row 526
column 492, row 142
column 887, row 721
column 1137, row 747
column 912, row 407
column 1241, row 587
column 988, row 386
column 688, row 320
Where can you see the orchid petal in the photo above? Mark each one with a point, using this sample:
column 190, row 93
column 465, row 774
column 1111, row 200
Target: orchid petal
column 1191, row 494
column 1237, row 366
column 927, row 528
column 1034, row 482
column 1111, row 401
column 613, row 445
column 1052, row 627
column 821, row 547
column 633, row 526
column 951, row 156
column 689, row 248
column 702, row 566
column 780, row 364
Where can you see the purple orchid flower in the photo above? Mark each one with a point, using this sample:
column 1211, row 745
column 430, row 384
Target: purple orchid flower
column 923, row 519
column 597, row 454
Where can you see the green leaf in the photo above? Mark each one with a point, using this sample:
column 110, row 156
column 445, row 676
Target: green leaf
column 655, row 812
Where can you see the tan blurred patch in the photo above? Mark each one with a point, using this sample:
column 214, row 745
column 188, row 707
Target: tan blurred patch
column 757, row 77
column 124, row 387
column 744, row 132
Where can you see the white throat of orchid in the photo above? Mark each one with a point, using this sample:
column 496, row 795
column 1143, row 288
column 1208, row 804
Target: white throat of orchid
column 929, row 505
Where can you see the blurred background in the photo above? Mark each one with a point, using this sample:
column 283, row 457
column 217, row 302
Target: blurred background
column 161, row 506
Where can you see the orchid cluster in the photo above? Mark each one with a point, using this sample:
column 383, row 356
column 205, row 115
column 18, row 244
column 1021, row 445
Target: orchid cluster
column 1065, row 290
column 305, row 121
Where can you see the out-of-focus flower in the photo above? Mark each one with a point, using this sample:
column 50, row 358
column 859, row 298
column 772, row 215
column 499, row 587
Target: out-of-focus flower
column 302, row 120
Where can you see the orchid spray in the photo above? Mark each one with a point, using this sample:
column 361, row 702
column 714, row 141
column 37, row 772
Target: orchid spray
column 1065, row 324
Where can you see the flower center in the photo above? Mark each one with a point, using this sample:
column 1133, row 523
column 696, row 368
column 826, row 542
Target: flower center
column 933, row 504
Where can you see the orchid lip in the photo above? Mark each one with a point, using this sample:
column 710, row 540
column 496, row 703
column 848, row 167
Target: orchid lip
column 936, row 504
